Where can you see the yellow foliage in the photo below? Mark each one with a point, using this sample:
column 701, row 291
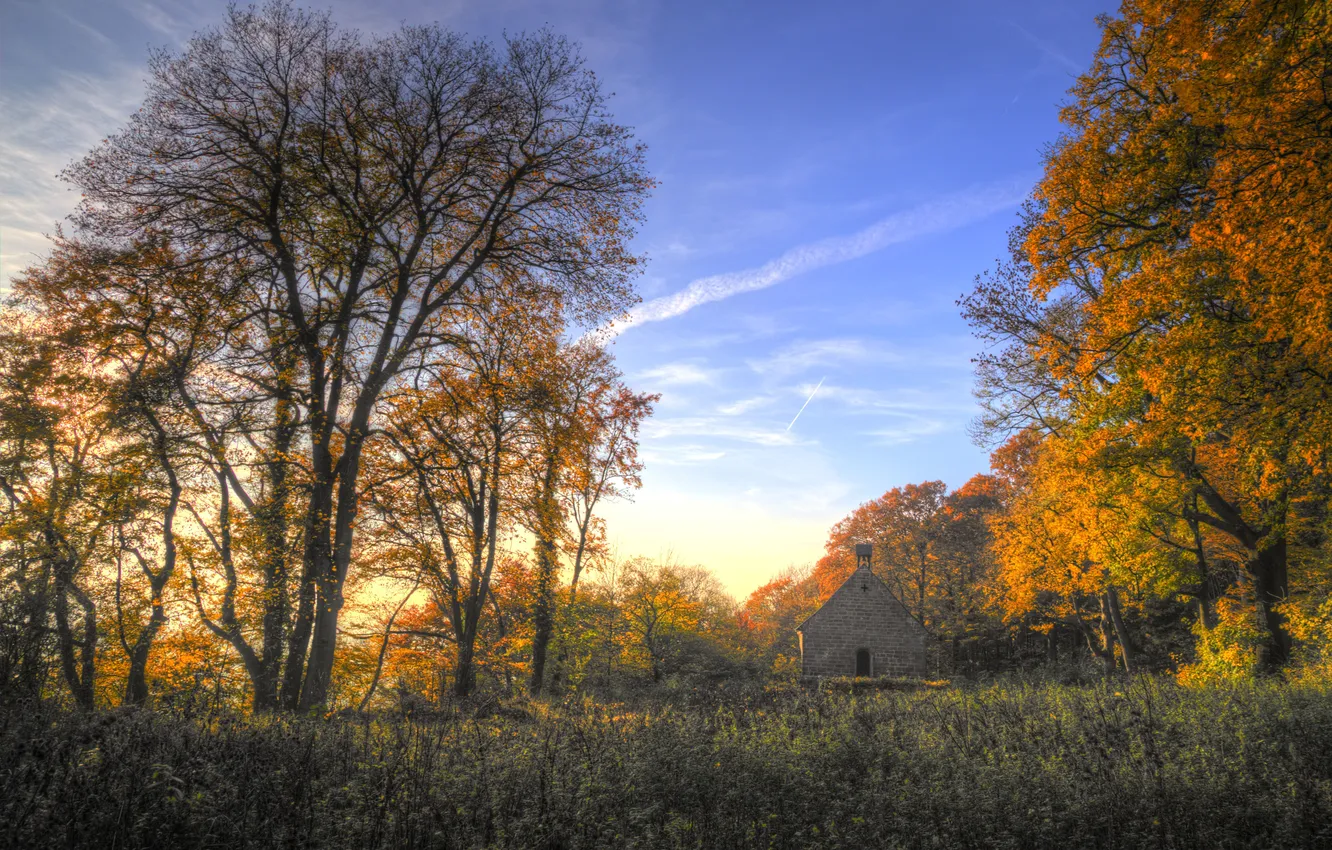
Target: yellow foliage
column 1228, row 651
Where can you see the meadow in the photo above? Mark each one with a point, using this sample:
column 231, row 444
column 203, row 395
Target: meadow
column 1141, row 763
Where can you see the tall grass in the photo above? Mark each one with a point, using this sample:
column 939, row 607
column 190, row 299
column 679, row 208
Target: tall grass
column 1145, row 765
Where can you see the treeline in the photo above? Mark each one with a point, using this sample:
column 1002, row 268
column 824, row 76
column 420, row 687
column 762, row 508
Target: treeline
column 318, row 332
column 1161, row 357
column 1157, row 372
column 303, row 412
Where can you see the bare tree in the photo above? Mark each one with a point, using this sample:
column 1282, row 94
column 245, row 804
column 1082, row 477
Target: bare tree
column 351, row 193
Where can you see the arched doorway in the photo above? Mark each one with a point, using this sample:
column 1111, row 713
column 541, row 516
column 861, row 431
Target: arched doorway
column 863, row 665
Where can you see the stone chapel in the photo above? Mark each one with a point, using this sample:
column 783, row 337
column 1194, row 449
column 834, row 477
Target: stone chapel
column 862, row 630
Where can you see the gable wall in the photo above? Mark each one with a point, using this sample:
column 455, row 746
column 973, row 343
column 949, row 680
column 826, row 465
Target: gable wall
column 853, row 618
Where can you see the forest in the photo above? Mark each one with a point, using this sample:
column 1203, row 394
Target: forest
column 308, row 424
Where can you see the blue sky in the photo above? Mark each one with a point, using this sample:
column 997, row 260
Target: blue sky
column 833, row 176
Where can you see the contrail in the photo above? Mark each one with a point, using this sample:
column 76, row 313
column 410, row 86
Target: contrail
column 937, row 216
column 807, row 401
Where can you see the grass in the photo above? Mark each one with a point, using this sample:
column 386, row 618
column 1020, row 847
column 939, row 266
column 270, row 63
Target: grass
column 1146, row 764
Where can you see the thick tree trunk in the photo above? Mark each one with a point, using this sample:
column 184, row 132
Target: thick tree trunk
column 316, row 561
column 329, row 583
column 273, row 521
column 78, row 667
column 1101, row 645
column 464, row 676
column 543, row 621
column 317, row 558
column 1268, row 570
column 294, row 671
column 323, row 644
column 136, row 682
column 1208, row 585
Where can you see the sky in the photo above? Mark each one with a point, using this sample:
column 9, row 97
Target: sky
column 833, row 176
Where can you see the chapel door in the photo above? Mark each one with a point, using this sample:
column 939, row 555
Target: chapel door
column 863, row 663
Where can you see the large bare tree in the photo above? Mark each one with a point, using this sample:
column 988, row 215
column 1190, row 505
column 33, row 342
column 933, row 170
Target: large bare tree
column 351, row 193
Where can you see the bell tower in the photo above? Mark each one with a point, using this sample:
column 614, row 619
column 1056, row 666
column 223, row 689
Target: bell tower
column 864, row 553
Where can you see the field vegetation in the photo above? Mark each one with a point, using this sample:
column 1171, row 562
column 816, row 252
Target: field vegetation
column 1137, row 764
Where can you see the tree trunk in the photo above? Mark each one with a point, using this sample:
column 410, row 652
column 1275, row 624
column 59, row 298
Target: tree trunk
column 294, row 672
column 383, row 647
column 562, row 658
column 543, row 621
column 1100, row 645
column 323, row 644
column 1107, row 649
column 136, row 683
column 329, row 601
column 1112, row 596
column 273, row 522
column 1208, row 585
column 79, row 669
column 464, row 678
column 1268, row 570
column 543, row 609
column 315, row 560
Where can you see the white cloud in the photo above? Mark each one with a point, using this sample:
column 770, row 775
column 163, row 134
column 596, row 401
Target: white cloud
column 801, row 356
column 904, row 401
column 677, row 374
column 908, row 433
column 744, row 405
column 44, row 130
column 687, row 455
column 809, row 354
column 935, row 217
column 717, row 428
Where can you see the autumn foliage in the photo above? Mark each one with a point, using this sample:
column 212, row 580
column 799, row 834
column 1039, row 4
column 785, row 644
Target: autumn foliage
column 304, row 413
column 1161, row 336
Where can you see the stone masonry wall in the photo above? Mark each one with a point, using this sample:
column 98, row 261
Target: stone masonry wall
column 862, row 614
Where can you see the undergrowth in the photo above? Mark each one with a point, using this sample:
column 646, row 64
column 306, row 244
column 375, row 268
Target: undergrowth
column 1141, row 764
